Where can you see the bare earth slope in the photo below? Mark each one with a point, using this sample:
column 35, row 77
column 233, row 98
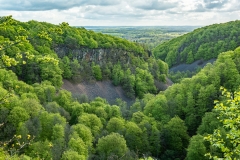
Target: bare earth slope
column 191, row 67
column 104, row 89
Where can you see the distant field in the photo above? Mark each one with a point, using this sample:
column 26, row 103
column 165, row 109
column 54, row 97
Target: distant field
column 150, row 36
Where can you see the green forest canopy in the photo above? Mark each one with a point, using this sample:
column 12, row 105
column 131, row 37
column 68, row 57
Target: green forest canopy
column 203, row 43
column 42, row 116
column 39, row 56
column 41, row 121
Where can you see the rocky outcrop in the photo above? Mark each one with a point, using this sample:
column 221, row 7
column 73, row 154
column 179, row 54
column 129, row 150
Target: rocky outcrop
column 94, row 55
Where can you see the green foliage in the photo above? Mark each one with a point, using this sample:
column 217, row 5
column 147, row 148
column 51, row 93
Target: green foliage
column 209, row 123
column 176, row 77
column 41, row 149
column 44, row 91
column 84, row 133
column 203, row 43
column 64, row 99
column 15, row 36
column 14, row 146
column 176, row 139
column 65, row 67
column 229, row 73
column 133, row 137
column 228, row 114
column 112, row 146
column 32, row 106
column 17, row 52
column 77, row 144
column 51, row 73
column 91, row 121
column 155, row 108
column 48, row 121
column 70, row 154
column 192, row 97
column 117, row 74
column 97, row 72
column 18, row 115
column 196, row 149
column 116, row 125
column 75, row 66
column 39, row 51
column 129, row 83
column 144, row 83
column 58, row 141
column 156, row 125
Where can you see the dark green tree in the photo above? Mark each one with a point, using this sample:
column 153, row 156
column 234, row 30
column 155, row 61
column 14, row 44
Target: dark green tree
column 97, row 72
column 196, row 149
column 175, row 139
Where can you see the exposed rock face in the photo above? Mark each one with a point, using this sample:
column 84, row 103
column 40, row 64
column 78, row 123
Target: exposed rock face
column 94, row 55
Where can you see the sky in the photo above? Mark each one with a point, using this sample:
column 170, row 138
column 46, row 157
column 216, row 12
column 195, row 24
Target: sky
column 123, row 12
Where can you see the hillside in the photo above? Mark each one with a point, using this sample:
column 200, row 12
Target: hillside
column 195, row 101
column 48, row 118
column 197, row 118
column 41, row 120
column 50, row 52
column 203, row 43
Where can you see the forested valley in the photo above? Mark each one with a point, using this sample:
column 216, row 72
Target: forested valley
column 194, row 119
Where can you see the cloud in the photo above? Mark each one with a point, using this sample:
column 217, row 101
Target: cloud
column 232, row 6
column 123, row 12
column 198, row 7
column 43, row 5
column 154, row 4
column 215, row 4
column 117, row 12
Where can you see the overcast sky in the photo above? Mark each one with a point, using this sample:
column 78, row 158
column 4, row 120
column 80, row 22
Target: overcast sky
column 123, row 12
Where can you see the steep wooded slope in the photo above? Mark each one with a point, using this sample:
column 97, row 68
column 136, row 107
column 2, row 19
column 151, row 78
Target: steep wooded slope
column 203, row 43
column 52, row 52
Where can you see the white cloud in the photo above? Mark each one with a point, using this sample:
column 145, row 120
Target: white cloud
column 123, row 12
column 154, row 4
column 39, row 5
